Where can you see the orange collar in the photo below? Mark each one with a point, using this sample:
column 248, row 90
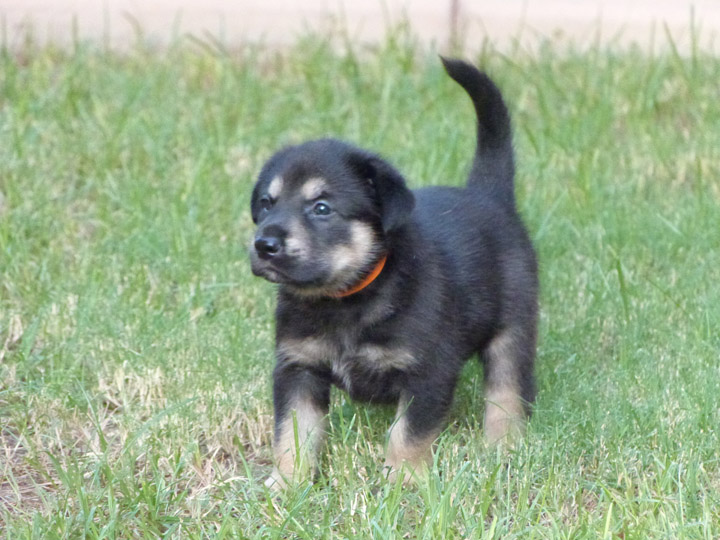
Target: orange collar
column 372, row 276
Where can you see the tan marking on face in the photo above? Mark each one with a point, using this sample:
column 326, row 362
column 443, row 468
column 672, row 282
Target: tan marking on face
column 313, row 188
column 353, row 256
column 504, row 411
column 297, row 441
column 346, row 260
column 275, row 187
column 306, row 351
column 406, row 452
column 297, row 240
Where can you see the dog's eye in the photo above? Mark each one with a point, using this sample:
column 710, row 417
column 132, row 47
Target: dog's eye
column 321, row 208
column 265, row 203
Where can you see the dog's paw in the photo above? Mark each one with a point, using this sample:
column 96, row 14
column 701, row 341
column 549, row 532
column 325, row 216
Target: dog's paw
column 408, row 474
column 276, row 482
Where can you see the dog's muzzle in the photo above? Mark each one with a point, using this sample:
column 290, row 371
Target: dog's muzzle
column 268, row 247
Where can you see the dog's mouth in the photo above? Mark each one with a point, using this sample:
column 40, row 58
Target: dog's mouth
column 314, row 287
column 273, row 276
column 334, row 272
column 297, row 278
column 269, row 271
column 305, row 284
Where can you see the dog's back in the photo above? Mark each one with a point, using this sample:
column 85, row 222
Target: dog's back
column 487, row 259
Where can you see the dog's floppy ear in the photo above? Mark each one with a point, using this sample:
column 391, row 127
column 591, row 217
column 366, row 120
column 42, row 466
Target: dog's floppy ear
column 396, row 201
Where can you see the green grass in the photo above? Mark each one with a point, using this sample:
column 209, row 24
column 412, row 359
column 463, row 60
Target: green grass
column 136, row 347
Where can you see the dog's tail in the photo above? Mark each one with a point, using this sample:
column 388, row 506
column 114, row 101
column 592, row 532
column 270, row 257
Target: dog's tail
column 494, row 166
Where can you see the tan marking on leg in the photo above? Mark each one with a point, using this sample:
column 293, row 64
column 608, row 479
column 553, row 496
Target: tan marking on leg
column 406, row 453
column 504, row 411
column 313, row 188
column 504, row 416
column 341, row 373
column 275, row 187
column 297, row 442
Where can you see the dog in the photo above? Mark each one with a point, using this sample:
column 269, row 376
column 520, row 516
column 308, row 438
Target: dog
column 386, row 292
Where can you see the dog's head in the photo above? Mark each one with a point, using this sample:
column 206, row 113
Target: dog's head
column 323, row 211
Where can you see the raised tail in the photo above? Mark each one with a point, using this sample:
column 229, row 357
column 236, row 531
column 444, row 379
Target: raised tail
column 493, row 166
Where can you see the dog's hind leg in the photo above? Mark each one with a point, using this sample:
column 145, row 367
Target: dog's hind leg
column 509, row 384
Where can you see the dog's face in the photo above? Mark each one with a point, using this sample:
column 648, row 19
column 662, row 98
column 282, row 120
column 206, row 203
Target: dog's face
column 323, row 210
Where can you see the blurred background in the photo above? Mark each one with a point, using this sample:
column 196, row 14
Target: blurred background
column 506, row 23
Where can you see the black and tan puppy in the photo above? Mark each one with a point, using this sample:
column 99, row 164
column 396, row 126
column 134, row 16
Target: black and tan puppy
column 386, row 292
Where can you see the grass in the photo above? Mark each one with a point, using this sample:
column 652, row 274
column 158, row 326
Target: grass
column 136, row 347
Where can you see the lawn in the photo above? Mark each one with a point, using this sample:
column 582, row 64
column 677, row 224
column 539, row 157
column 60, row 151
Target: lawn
column 136, row 347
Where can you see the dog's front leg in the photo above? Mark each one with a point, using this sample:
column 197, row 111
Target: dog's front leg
column 420, row 418
column 301, row 398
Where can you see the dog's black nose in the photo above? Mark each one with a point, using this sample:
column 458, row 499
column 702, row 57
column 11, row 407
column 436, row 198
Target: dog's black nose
column 267, row 246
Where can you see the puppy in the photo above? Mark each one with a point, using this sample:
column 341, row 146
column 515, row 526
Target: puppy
column 386, row 292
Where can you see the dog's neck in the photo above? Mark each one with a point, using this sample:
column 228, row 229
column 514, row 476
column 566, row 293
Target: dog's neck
column 363, row 283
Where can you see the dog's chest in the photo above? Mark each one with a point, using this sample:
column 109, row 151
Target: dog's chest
column 367, row 371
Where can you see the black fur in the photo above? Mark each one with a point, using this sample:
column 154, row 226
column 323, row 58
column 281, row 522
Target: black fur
column 460, row 271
